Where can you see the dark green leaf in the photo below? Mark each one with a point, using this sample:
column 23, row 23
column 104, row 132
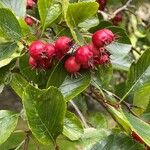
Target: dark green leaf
column 45, row 110
column 73, row 128
column 9, row 24
column 104, row 74
column 8, row 122
column 139, row 80
column 57, row 75
column 118, row 142
column 18, row 7
column 73, row 87
column 49, row 11
column 7, row 49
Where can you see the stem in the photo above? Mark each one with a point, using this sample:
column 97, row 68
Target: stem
column 20, row 145
column 124, row 7
column 36, row 20
column 26, row 144
column 127, row 105
column 101, row 101
column 80, row 114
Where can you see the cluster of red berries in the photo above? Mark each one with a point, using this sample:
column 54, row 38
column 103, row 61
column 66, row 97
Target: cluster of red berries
column 30, row 4
column 86, row 57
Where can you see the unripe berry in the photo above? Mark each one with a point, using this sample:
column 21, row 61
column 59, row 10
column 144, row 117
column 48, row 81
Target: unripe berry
column 33, row 63
column 29, row 21
column 71, row 65
column 50, row 50
column 117, row 19
column 30, row 3
column 83, row 55
column 37, row 50
column 136, row 137
column 103, row 37
column 102, row 4
column 101, row 59
column 93, row 49
column 63, row 44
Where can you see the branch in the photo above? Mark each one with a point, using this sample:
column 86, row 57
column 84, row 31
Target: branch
column 80, row 114
column 36, row 20
column 124, row 7
column 127, row 105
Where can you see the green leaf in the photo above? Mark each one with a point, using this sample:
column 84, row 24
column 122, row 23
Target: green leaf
column 57, row 75
column 144, row 94
column 92, row 136
column 73, row 128
column 5, row 72
column 97, row 120
column 89, row 23
column 73, row 87
column 120, row 118
column 85, row 11
column 120, row 55
column 49, row 11
column 13, row 141
column 13, row 57
column 18, row 83
column 139, row 77
column 18, row 7
column 141, row 128
column 118, row 142
column 7, row 49
column 8, row 122
column 45, row 110
column 9, row 24
column 104, row 74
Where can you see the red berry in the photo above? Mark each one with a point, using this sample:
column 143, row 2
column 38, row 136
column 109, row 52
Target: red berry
column 102, row 59
column 71, row 65
column 136, row 137
column 63, row 44
column 50, row 49
column 83, row 55
column 29, row 21
column 37, row 50
column 30, row 3
column 45, row 63
column 93, row 49
column 33, row 63
column 117, row 19
column 102, row 37
column 102, row 4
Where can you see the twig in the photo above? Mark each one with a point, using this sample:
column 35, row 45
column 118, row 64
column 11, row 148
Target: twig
column 26, row 144
column 124, row 7
column 20, row 145
column 128, row 106
column 36, row 20
column 80, row 114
